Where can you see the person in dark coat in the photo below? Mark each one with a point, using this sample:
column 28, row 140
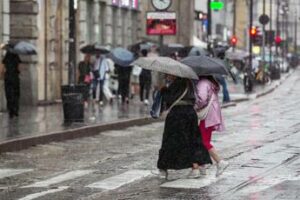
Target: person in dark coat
column 124, row 81
column 145, row 82
column 182, row 145
column 85, row 69
column 11, row 63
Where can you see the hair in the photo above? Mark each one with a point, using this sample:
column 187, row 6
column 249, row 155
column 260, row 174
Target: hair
column 144, row 52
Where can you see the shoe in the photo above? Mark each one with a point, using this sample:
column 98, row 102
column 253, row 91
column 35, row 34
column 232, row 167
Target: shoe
column 101, row 103
column 221, row 166
column 146, row 102
column 203, row 171
column 194, row 173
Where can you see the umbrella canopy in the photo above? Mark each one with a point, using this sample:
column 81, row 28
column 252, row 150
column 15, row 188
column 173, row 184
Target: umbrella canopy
column 236, row 54
column 192, row 51
column 121, row 56
column 23, row 48
column 204, row 65
column 94, row 49
column 166, row 65
column 169, row 49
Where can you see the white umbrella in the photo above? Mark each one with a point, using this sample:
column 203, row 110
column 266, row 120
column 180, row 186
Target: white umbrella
column 166, row 65
column 24, row 48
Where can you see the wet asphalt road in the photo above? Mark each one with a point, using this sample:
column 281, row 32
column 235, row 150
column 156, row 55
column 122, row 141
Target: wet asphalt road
column 261, row 143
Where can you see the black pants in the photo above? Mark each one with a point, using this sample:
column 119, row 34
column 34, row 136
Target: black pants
column 12, row 93
column 124, row 88
column 145, row 86
column 95, row 84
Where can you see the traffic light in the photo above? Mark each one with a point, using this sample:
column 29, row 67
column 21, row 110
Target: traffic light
column 233, row 40
column 253, row 31
column 256, row 36
column 278, row 40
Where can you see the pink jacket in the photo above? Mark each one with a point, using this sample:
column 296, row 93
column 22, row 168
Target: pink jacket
column 205, row 89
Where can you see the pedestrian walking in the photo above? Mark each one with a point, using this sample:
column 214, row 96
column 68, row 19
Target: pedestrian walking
column 211, row 119
column 182, row 145
column 145, row 81
column 100, row 69
column 11, row 63
column 124, row 81
column 221, row 79
column 85, row 76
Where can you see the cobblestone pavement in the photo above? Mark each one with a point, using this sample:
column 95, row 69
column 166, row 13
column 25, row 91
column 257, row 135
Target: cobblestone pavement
column 261, row 143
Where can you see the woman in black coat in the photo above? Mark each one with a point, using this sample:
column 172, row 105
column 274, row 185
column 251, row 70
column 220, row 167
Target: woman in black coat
column 182, row 143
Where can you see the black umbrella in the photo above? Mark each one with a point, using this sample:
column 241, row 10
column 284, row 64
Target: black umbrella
column 169, row 49
column 192, row 51
column 94, row 49
column 204, row 65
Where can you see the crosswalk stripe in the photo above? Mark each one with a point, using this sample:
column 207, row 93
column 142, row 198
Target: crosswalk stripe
column 194, row 183
column 40, row 194
column 12, row 172
column 120, row 180
column 60, row 178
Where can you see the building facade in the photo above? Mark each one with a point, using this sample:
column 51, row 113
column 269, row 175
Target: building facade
column 184, row 18
column 45, row 24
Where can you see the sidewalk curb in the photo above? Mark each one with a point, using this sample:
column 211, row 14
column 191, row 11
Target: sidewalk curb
column 23, row 143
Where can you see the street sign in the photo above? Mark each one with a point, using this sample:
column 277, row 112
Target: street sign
column 216, row 5
column 264, row 19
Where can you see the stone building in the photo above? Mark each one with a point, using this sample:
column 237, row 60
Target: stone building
column 46, row 24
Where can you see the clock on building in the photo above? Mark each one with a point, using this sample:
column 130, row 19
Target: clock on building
column 161, row 4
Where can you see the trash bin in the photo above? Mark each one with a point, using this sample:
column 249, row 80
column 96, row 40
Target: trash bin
column 80, row 88
column 275, row 72
column 73, row 107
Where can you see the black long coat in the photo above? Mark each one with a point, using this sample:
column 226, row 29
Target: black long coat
column 182, row 143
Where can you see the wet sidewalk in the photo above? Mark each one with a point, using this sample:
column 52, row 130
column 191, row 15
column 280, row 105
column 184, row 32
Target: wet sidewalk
column 39, row 122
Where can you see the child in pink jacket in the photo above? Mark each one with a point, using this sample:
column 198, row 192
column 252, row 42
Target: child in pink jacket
column 207, row 87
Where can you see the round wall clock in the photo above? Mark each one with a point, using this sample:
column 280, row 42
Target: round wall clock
column 161, row 4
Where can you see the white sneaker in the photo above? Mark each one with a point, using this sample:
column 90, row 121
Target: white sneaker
column 146, row 102
column 101, row 103
column 194, row 173
column 221, row 166
column 203, row 171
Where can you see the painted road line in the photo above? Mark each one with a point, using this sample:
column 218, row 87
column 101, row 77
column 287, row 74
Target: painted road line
column 120, row 180
column 40, row 194
column 60, row 178
column 194, row 183
column 12, row 172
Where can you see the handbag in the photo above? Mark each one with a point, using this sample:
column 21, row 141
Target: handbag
column 87, row 79
column 204, row 111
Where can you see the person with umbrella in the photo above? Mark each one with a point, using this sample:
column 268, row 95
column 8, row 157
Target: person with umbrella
column 85, row 69
column 145, row 80
column 207, row 103
column 211, row 119
column 181, row 146
column 123, row 66
column 99, row 71
column 11, row 63
column 222, row 80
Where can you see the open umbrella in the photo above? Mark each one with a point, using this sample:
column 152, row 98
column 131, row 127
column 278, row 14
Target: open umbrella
column 121, row 56
column 94, row 49
column 204, row 65
column 166, row 65
column 192, row 51
column 23, row 48
column 169, row 49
